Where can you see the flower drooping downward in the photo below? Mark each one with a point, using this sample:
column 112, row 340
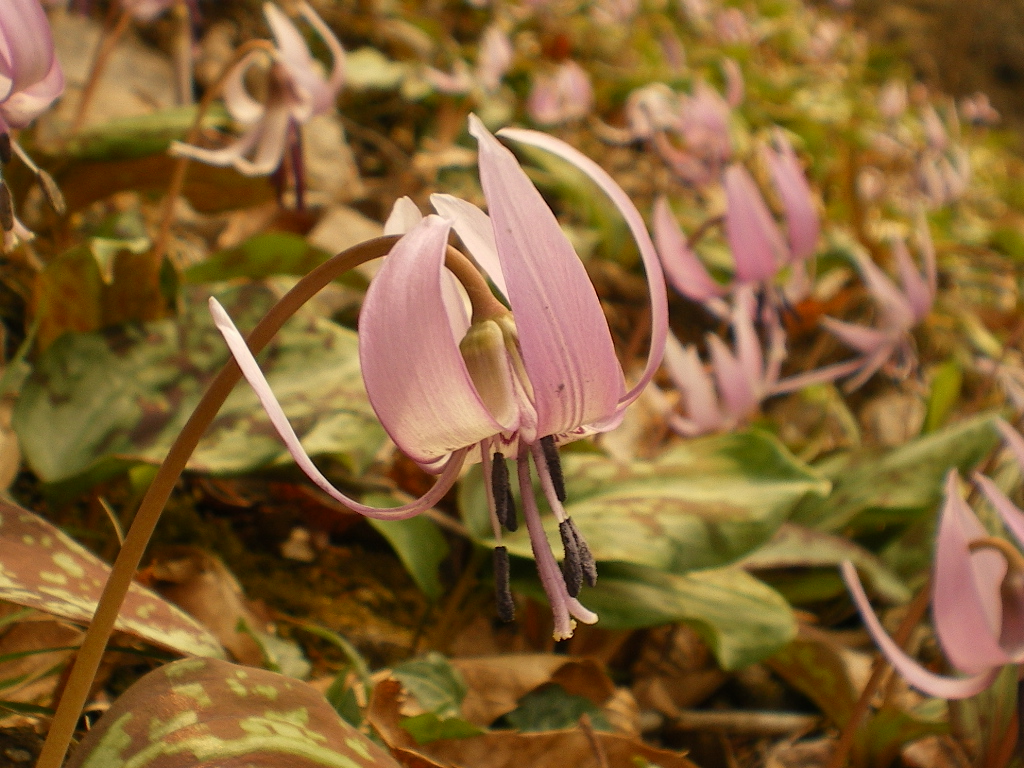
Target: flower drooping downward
column 977, row 592
column 30, row 80
column 500, row 382
column 296, row 91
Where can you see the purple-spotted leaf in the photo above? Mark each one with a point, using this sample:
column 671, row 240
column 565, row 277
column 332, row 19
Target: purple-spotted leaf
column 202, row 713
column 41, row 567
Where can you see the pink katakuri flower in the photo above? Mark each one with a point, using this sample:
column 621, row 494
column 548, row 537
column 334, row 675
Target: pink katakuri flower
column 899, row 311
column 30, row 80
column 977, row 593
column 146, row 11
column 30, row 75
column 494, row 58
column 448, row 385
column 561, row 96
column 977, row 109
column 758, row 248
column 743, row 376
column 296, row 91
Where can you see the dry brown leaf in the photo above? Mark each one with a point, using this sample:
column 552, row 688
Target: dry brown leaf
column 675, row 670
column 496, row 683
column 35, row 673
column 509, row 749
column 200, row 583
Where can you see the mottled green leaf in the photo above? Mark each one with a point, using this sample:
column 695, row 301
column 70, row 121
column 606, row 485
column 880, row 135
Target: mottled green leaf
column 264, row 255
column 130, row 137
column 43, row 568
column 703, row 504
column 124, row 394
column 429, row 727
column 894, row 485
column 436, row 684
column 417, row 542
column 795, row 547
column 201, row 713
column 740, row 618
column 552, row 708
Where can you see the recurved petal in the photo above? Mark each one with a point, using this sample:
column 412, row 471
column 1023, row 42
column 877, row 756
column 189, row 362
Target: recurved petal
column 24, row 106
column 735, row 386
column 26, row 45
column 919, row 677
column 415, row 376
column 966, row 606
column 449, row 473
column 405, row 215
column 684, row 270
column 802, row 221
column 473, row 226
column 566, row 345
column 896, row 309
column 757, row 247
column 860, row 337
column 703, row 413
column 241, row 106
column 915, row 285
column 637, row 227
column 337, row 76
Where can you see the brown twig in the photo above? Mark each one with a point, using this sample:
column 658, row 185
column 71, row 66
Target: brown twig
column 108, row 42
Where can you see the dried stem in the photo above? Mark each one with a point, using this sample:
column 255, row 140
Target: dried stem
column 95, row 641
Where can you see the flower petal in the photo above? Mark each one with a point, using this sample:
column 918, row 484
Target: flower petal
column 684, row 368
column 415, row 376
column 405, row 215
column 919, row 677
column 915, row 286
column 566, row 345
column 24, row 106
column 790, row 182
column 473, row 226
column 757, row 247
column 635, row 222
column 26, row 45
column 251, row 370
column 966, row 605
column 684, row 270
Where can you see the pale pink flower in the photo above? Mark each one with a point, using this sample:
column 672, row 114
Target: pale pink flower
column 893, row 99
column 450, row 386
column 494, row 59
column 977, row 109
column 561, row 96
column 30, row 80
column 899, row 311
column 296, row 92
column 30, row 75
column 977, row 593
column 742, row 376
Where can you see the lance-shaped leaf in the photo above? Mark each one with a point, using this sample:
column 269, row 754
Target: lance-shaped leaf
column 201, row 713
column 41, row 567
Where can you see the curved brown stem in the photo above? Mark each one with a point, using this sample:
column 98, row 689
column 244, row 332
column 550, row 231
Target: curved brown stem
column 88, row 659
